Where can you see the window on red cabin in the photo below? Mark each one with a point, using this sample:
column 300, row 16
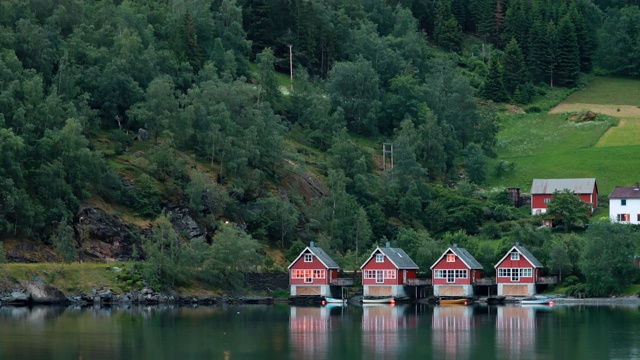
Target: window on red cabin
column 546, row 201
column 515, row 256
column 451, row 258
column 379, row 258
column 308, row 258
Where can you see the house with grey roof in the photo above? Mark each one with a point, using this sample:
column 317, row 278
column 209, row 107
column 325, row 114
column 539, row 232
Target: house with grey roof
column 312, row 273
column 518, row 272
column 386, row 272
column 624, row 204
column 455, row 273
column 542, row 191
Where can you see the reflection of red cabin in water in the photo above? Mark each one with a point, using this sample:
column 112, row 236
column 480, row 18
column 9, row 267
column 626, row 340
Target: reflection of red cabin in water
column 515, row 331
column 455, row 273
column 309, row 329
column 517, row 272
column 452, row 327
column 311, row 273
column 386, row 271
column 542, row 192
column 382, row 328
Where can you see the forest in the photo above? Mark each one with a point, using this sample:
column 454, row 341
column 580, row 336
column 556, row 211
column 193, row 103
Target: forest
column 232, row 102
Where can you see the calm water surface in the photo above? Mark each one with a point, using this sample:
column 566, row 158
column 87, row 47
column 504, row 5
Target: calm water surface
column 352, row 332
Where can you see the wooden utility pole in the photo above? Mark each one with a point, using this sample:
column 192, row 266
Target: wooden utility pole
column 291, row 66
column 387, row 161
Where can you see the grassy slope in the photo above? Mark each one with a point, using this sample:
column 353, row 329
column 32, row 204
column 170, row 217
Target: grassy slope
column 547, row 146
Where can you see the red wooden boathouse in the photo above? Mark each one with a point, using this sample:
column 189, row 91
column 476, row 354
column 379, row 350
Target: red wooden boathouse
column 312, row 272
column 386, row 272
column 455, row 273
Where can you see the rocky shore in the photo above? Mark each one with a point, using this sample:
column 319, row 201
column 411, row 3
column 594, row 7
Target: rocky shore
column 36, row 293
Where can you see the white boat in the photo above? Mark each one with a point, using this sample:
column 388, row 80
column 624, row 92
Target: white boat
column 331, row 300
column 537, row 301
column 378, row 300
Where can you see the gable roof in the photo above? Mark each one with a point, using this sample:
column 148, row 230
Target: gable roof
column 524, row 252
column 397, row 257
column 625, row 192
column 549, row 186
column 464, row 255
column 324, row 258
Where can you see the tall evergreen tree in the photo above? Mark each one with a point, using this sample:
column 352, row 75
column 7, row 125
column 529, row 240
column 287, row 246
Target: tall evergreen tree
column 493, row 88
column 189, row 40
column 567, row 54
column 514, row 67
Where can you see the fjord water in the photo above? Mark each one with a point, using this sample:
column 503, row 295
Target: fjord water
column 351, row 332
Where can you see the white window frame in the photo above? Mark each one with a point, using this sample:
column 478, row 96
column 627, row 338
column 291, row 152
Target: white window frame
column 440, row 274
column 515, row 256
column 526, row 272
column 547, row 200
column 308, row 258
column 379, row 258
column 379, row 276
column 451, row 257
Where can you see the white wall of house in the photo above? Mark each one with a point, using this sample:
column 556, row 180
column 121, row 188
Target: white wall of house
column 626, row 214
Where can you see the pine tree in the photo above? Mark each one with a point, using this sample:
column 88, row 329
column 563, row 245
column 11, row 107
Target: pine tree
column 192, row 52
column 567, row 54
column 494, row 84
column 515, row 71
column 538, row 51
column 586, row 38
column 448, row 32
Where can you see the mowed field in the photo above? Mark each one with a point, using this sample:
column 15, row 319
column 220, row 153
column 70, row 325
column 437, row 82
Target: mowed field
column 546, row 145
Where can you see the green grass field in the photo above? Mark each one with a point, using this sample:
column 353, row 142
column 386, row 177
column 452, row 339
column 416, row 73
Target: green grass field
column 608, row 91
column 548, row 146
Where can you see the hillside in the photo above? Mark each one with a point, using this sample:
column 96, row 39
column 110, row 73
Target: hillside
column 547, row 145
column 159, row 133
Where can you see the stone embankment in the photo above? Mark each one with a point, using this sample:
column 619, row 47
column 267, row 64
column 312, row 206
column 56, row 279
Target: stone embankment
column 33, row 293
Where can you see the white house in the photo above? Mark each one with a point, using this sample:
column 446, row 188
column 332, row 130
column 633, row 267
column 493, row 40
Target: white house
column 624, row 204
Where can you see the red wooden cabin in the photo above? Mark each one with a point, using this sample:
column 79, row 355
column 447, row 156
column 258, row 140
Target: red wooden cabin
column 311, row 273
column 455, row 273
column 386, row 271
column 542, row 192
column 517, row 272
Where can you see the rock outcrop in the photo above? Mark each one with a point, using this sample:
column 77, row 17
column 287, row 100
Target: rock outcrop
column 104, row 237
column 43, row 293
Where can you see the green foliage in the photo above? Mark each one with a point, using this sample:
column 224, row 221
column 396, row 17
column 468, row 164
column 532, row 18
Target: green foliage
column 3, row 257
column 569, row 208
column 232, row 253
column 63, row 242
column 131, row 278
column 166, row 260
column 476, row 163
column 606, row 261
column 147, row 196
column 494, row 88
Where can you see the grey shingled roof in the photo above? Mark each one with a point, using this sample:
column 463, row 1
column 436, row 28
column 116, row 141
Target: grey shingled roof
column 625, row 192
column 532, row 259
column 324, row 257
column 465, row 256
column 549, row 186
column 398, row 257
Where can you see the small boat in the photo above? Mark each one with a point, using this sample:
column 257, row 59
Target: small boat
column 378, row 300
column 454, row 302
column 537, row 301
column 331, row 300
